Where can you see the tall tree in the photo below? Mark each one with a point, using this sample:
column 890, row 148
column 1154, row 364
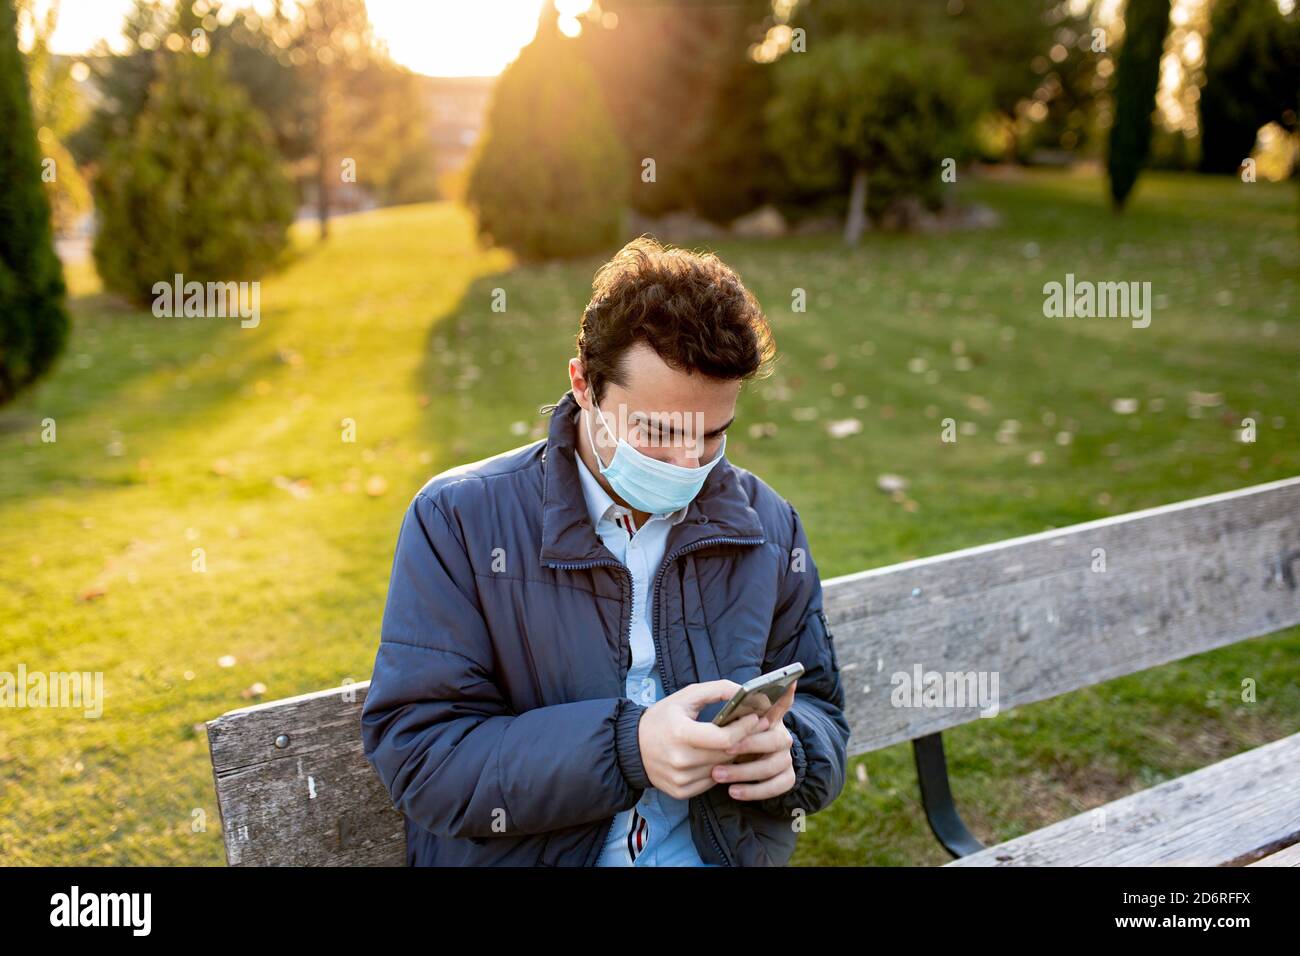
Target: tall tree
column 197, row 188
column 1137, row 77
column 732, row 167
column 363, row 117
column 122, row 81
column 312, row 69
column 661, row 70
column 57, row 110
column 874, row 117
column 33, row 318
column 549, row 177
column 1007, row 41
column 1250, row 80
column 151, row 35
column 331, row 42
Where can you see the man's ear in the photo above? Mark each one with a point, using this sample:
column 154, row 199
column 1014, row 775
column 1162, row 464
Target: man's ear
column 579, row 383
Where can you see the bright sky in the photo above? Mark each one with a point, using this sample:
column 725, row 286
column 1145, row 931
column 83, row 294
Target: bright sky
column 437, row 37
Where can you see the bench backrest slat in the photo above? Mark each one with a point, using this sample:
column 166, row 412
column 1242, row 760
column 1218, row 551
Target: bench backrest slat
column 315, row 801
column 1178, row 580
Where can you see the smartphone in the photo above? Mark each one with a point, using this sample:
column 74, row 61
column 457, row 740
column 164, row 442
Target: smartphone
column 757, row 695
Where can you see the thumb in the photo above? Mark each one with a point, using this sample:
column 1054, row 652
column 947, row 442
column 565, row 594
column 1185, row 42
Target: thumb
column 782, row 704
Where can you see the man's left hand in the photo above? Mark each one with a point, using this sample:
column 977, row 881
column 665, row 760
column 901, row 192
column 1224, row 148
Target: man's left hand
column 771, row 773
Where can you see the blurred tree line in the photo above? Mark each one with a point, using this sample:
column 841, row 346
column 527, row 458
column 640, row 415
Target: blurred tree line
column 825, row 105
column 858, row 106
column 329, row 93
column 201, row 135
column 215, row 122
column 211, row 124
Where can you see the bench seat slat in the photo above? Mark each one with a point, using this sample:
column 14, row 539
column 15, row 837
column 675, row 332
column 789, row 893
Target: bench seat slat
column 1288, row 857
column 1227, row 814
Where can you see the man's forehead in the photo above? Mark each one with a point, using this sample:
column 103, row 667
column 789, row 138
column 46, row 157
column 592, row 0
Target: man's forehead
column 650, row 381
column 711, row 400
column 659, row 412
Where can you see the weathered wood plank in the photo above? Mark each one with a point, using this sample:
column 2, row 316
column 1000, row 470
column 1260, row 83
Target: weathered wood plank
column 1033, row 612
column 1227, row 814
column 314, row 802
column 1288, row 857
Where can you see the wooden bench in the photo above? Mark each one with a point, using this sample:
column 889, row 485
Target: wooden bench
column 1044, row 614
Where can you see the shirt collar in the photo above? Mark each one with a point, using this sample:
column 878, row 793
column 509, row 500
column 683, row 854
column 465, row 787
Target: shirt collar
column 600, row 504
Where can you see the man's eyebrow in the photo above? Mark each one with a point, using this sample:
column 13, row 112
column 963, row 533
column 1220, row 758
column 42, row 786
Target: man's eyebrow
column 666, row 426
column 720, row 429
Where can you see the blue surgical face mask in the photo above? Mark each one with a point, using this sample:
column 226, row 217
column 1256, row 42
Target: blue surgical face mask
column 648, row 484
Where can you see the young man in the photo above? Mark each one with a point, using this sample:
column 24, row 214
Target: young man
column 564, row 619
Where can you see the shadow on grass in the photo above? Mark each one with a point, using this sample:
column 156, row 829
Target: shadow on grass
column 194, row 365
column 487, row 371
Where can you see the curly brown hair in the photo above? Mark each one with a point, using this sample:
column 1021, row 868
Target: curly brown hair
column 690, row 307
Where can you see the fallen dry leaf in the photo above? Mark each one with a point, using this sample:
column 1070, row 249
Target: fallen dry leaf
column 891, row 483
column 843, row 427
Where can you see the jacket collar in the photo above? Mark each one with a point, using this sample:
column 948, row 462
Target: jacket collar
column 720, row 510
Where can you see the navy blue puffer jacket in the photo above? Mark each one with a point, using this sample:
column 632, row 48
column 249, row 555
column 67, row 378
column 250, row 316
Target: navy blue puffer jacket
column 496, row 714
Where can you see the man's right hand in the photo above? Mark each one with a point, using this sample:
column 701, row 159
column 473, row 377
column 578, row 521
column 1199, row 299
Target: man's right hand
column 679, row 751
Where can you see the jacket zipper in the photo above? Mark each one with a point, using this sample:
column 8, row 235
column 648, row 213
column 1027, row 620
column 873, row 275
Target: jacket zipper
column 627, row 639
column 663, row 670
column 659, row 657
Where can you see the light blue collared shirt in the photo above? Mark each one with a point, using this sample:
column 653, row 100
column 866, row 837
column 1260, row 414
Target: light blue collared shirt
column 657, row 831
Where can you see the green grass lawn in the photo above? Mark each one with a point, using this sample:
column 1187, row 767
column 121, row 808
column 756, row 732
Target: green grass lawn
column 183, row 434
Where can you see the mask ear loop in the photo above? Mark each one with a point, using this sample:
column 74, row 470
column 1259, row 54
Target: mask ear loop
column 592, row 438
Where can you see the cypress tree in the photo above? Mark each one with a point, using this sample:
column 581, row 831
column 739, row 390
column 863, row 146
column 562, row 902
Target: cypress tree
column 1137, row 75
column 549, row 178
column 33, row 318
